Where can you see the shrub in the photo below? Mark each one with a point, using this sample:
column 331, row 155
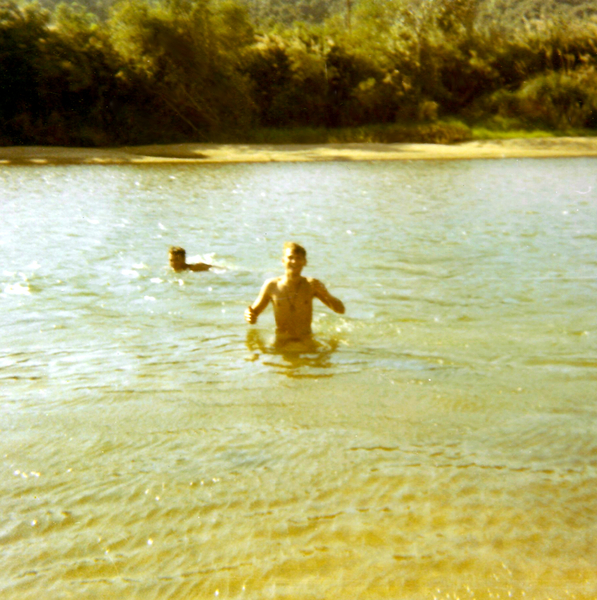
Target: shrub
column 559, row 100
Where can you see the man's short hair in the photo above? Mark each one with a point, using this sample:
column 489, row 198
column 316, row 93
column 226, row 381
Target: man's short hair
column 178, row 251
column 295, row 248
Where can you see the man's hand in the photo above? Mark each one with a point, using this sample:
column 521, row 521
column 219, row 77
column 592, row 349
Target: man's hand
column 250, row 315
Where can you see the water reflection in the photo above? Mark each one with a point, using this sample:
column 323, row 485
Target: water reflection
column 292, row 356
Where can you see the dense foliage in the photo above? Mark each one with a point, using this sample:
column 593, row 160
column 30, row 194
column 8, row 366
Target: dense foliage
column 142, row 71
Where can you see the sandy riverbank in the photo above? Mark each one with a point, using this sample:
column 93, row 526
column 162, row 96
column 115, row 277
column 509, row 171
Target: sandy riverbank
column 239, row 153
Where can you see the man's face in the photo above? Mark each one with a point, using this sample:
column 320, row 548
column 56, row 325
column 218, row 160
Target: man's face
column 177, row 262
column 293, row 261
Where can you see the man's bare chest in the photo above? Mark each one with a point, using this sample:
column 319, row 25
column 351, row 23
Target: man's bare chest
column 293, row 297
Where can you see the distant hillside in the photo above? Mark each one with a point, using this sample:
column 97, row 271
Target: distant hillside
column 264, row 13
column 267, row 13
column 515, row 13
column 286, row 12
column 100, row 8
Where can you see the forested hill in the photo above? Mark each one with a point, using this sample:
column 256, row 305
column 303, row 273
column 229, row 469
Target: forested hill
column 149, row 71
column 287, row 12
column 267, row 13
column 515, row 11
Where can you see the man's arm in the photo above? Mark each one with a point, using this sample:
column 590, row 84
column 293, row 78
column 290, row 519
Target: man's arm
column 262, row 300
column 321, row 292
column 199, row 267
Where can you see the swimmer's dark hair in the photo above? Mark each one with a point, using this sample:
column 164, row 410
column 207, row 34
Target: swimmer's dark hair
column 178, row 251
column 296, row 247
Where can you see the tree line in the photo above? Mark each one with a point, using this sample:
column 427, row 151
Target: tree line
column 164, row 71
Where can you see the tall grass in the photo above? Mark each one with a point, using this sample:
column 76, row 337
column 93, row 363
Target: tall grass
column 426, row 133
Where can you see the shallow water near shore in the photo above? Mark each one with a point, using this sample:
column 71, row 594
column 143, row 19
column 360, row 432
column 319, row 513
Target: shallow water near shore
column 437, row 441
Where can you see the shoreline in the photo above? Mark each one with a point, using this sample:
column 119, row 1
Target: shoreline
column 564, row 147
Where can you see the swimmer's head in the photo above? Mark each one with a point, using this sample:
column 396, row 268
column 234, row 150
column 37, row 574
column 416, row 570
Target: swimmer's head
column 178, row 258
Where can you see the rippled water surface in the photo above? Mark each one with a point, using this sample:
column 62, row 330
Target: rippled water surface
column 440, row 443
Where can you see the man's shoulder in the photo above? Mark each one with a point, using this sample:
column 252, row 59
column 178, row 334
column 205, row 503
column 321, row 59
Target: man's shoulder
column 317, row 287
column 271, row 283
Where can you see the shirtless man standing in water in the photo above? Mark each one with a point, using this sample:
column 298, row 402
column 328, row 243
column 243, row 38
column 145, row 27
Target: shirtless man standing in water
column 292, row 296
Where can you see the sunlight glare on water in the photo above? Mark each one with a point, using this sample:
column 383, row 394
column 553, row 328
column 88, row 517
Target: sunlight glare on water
column 439, row 441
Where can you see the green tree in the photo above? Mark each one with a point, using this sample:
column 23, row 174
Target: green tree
column 23, row 34
column 185, row 51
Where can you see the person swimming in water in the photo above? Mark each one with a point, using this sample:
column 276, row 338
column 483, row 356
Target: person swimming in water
column 292, row 297
column 178, row 261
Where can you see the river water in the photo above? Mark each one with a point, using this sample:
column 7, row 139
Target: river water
column 441, row 442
